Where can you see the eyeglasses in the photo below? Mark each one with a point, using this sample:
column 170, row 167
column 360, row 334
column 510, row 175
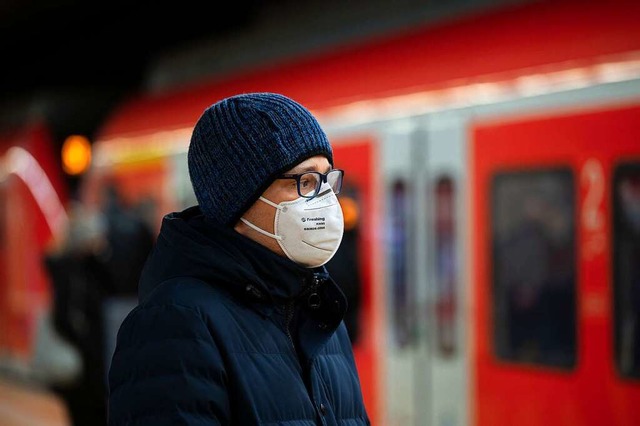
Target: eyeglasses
column 309, row 183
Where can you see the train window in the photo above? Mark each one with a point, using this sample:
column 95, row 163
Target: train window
column 626, row 265
column 534, row 267
column 446, row 265
column 398, row 238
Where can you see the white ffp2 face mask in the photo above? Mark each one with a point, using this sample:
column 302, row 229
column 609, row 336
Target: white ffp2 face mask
column 309, row 231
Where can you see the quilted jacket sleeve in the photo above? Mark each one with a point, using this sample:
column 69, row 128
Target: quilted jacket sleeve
column 167, row 370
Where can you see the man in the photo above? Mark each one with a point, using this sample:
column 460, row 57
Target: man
column 238, row 322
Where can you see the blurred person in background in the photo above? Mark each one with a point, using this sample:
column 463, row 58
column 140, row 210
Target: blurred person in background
column 94, row 274
column 79, row 282
column 128, row 241
column 238, row 321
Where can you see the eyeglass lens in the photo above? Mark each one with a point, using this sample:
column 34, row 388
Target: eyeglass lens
column 310, row 183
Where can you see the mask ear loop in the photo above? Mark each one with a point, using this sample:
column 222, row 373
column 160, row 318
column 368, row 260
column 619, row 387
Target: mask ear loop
column 260, row 230
column 271, row 203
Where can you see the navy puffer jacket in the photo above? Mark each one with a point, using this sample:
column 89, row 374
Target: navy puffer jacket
column 229, row 333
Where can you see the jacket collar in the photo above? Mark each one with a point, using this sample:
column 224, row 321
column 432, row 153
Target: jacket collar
column 189, row 244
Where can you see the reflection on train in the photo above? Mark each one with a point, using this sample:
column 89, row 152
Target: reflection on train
column 493, row 210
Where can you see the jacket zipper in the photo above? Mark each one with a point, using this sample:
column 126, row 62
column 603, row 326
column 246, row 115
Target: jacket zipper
column 290, row 309
column 289, row 316
column 316, row 282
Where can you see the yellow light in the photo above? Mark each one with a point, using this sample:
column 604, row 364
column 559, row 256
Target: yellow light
column 350, row 212
column 76, row 154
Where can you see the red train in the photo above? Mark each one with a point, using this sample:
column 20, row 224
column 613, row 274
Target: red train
column 493, row 167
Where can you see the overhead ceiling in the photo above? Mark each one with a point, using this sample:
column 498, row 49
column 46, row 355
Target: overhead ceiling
column 60, row 43
column 57, row 44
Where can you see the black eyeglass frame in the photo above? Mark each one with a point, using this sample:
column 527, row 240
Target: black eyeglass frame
column 323, row 177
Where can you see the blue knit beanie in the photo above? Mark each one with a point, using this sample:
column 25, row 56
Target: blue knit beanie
column 242, row 143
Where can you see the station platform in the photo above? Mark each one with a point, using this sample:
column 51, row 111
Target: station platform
column 28, row 405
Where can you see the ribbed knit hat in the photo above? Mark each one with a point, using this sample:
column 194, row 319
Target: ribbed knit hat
column 242, row 143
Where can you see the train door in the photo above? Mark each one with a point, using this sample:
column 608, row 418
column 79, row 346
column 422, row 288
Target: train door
column 555, row 288
column 424, row 297
column 423, row 174
column 401, row 295
column 441, row 163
